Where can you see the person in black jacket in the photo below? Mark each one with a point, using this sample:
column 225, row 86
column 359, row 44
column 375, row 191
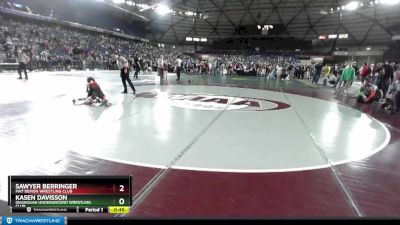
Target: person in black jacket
column 317, row 74
column 386, row 79
column 137, row 66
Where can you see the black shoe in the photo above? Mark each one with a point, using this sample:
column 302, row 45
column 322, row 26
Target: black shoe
column 19, row 78
column 124, row 92
column 26, row 78
column 104, row 103
column 134, row 92
column 177, row 79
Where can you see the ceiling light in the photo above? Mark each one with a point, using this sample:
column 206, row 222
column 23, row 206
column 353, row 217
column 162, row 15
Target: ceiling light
column 162, row 9
column 332, row 36
column 323, row 37
column 352, row 6
column 118, row 1
column 390, row 2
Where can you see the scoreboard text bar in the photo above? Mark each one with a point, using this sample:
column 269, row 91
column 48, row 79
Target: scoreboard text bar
column 63, row 194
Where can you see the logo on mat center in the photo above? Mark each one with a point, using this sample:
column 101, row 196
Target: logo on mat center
column 9, row 220
column 219, row 102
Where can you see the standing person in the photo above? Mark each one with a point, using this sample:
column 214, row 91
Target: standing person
column 386, row 78
column 365, row 71
column 23, row 60
column 123, row 66
column 348, row 76
column 356, row 70
column 178, row 63
column 165, row 70
column 160, row 68
column 335, row 70
column 301, row 72
column 44, row 60
column 374, row 77
column 318, row 69
column 339, row 81
column 130, row 63
column 290, row 70
column 137, row 66
column 308, row 72
column 394, row 89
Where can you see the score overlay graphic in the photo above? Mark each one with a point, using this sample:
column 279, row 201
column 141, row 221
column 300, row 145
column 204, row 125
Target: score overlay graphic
column 75, row 194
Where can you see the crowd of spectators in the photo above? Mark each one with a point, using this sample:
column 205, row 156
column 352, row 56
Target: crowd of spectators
column 53, row 47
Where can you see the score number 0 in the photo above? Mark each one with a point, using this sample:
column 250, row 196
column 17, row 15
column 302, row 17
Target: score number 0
column 121, row 189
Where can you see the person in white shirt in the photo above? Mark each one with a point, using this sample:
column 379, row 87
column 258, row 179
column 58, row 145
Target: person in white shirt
column 160, row 68
column 178, row 62
column 123, row 66
column 23, row 60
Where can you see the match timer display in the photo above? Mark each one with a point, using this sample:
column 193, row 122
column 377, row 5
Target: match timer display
column 77, row 194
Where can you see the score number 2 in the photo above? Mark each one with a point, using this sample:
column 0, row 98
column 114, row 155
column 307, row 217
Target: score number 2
column 121, row 201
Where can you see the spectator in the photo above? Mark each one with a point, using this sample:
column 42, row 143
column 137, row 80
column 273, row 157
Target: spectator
column 395, row 91
column 348, row 76
column 367, row 92
column 23, row 60
column 386, row 79
column 318, row 69
column 365, row 71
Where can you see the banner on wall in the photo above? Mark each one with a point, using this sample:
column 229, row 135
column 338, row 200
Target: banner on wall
column 304, row 62
column 314, row 60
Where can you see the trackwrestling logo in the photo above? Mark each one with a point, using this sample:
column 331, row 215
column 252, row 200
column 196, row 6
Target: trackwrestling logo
column 17, row 220
column 217, row 102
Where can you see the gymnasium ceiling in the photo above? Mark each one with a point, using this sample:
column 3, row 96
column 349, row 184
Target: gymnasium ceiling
column 372, row 23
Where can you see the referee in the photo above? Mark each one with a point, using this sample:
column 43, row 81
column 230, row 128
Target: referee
column 123, row 66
